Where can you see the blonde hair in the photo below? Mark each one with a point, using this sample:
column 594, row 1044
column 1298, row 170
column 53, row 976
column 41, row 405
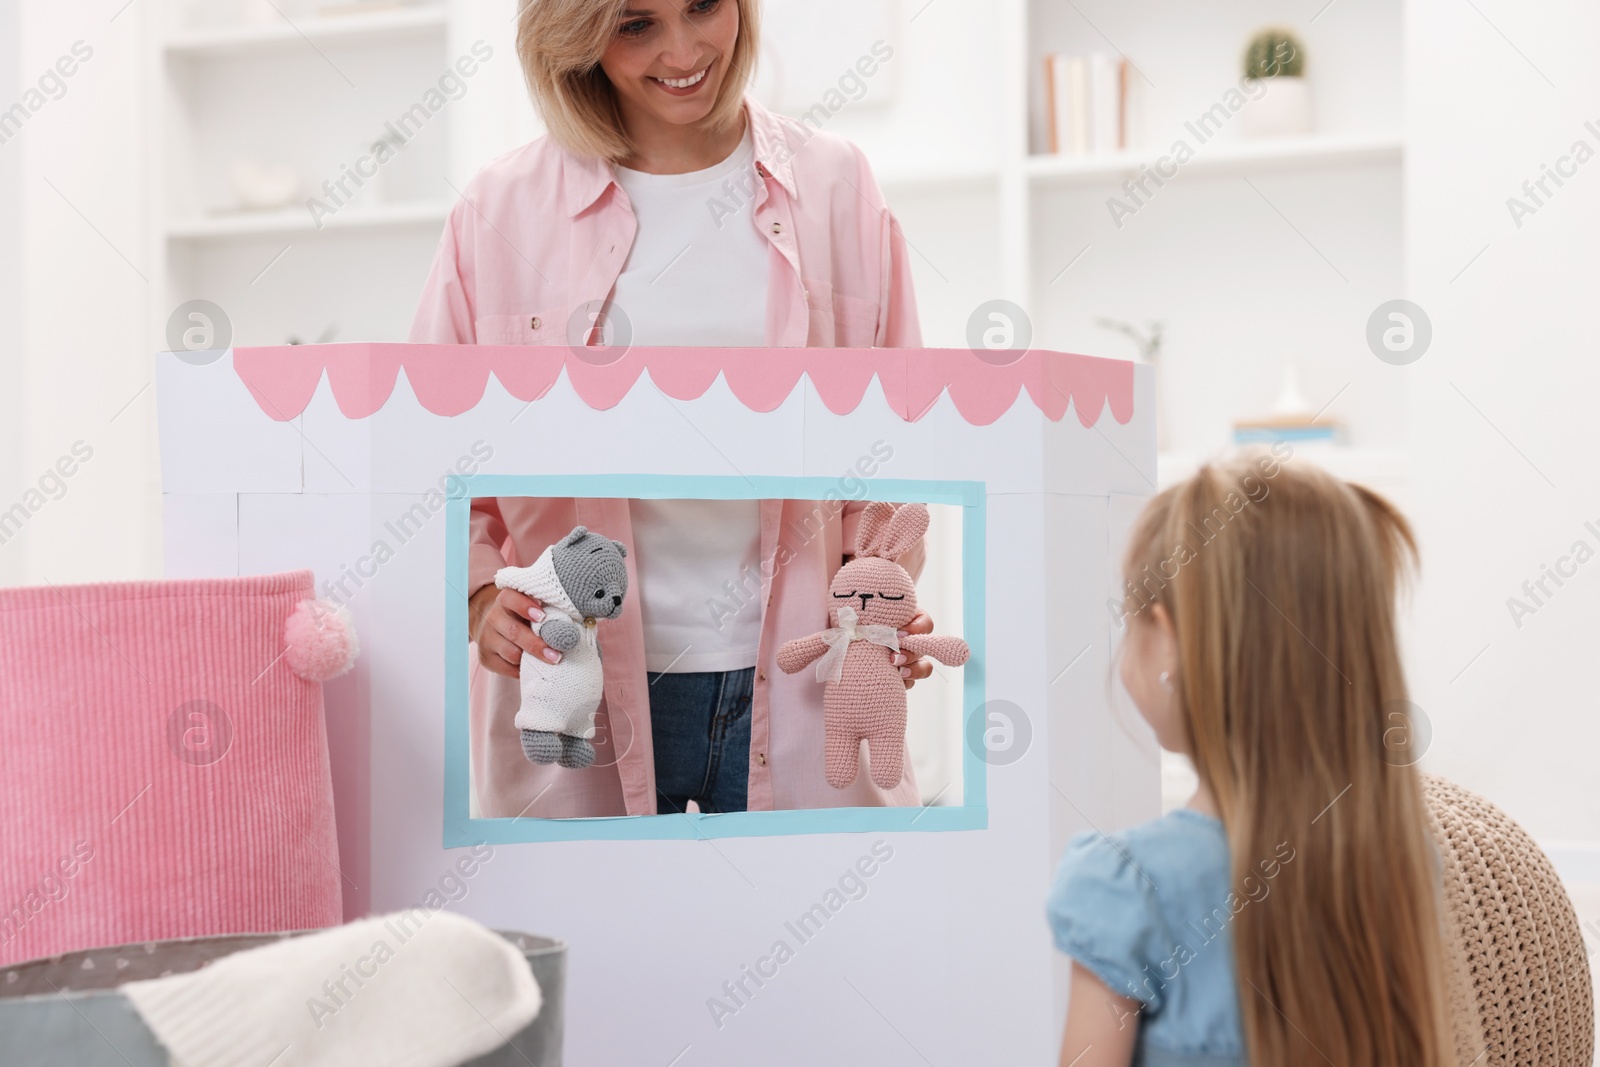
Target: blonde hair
column 560, row 43
column 1280, row 583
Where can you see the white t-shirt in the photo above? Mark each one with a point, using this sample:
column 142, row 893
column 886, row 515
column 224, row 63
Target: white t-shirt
column 697, row 277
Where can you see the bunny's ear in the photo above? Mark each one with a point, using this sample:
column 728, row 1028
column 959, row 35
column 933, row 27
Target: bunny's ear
column 578, row 534
column 872, row 525
column 906, row 528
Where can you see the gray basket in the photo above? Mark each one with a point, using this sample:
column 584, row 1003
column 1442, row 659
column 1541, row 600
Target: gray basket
column 67, row 1010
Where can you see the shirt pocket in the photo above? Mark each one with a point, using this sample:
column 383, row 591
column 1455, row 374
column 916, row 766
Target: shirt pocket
column 534, row 328
column 841, row 320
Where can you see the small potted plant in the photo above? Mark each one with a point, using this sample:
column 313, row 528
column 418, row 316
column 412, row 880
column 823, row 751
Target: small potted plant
column 1274, row 65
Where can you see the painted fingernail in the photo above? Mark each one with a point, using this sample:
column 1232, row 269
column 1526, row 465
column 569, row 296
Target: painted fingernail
column 904, row 634
column 535, row 615
column 552, row 655
column 899, row 658
column 905, row 672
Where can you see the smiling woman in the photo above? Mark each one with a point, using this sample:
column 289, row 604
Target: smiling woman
column 613, row 230
column 676, row 71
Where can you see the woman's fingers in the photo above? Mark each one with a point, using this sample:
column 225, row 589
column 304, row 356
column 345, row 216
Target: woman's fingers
column 497, row 654
column 522, row 606
column 913, row 669
column 916, row 671
column 516, row 632
column 495, row 663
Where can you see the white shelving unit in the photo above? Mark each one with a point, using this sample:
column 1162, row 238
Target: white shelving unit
column 1258, row 253
column 1309, row 154
column 314, row 93
column 297, row 220
column 421, row 22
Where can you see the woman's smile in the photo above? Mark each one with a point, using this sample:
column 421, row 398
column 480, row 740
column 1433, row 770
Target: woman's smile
column 683, row 86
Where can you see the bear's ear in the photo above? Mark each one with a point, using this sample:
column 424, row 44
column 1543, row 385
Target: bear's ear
column 622, row 549
column 906, row 528
column 872, row 525
column 578, row 534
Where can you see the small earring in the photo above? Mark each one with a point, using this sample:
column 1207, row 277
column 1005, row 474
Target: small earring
column 1165, row 678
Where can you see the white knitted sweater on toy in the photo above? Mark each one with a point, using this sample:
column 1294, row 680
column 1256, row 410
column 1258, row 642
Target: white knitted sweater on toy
column 563, row 697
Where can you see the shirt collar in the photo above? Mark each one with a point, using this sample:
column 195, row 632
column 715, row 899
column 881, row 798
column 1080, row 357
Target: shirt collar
column 585, row 178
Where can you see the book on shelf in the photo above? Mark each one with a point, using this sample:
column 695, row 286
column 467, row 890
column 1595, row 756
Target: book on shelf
column 1086, row 103
column 1294, row 429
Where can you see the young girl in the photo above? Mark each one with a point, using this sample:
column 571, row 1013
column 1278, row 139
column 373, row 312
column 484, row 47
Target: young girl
column 1290, row 914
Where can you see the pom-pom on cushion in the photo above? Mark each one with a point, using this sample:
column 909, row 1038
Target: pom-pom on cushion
column 166, row 772
column 321, row 640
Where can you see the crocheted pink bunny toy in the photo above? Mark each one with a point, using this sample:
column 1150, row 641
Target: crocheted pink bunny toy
column 872, row 599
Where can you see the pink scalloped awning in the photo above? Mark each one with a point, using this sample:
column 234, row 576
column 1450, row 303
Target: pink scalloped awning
column 450, row 379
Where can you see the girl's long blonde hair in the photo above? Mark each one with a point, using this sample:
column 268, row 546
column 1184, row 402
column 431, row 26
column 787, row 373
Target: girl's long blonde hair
column 560, row 43
column 1280, row 581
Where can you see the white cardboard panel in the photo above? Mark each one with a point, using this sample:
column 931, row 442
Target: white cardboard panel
column 941, row 445
column 402, row 448
column 1110, row 457
column 405, row 448
column 214, row 436
column 1075, row 704
column 1022, row 450
column 333, row 534
column 1135, row 755
column 351, row 543
column 200, row 535
column 728, row 900
column 661, row 925
column 407, row 600
column 1076, row 729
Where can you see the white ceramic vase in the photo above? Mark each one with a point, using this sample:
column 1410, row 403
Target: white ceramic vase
column 1284, row 110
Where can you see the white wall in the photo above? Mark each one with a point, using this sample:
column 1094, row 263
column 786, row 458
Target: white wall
column 1502, row 406
column 85, row 357
column 12, row 379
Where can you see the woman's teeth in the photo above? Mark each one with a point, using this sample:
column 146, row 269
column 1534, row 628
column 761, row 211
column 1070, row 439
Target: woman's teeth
column 684, row 83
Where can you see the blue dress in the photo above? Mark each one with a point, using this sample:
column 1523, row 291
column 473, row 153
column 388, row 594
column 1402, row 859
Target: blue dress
column 1150, row 912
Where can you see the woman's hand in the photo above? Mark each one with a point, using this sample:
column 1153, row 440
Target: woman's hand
column 502, row 622
column 914, row 667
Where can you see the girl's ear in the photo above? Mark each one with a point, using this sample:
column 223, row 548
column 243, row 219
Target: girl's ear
column 906, row 527
column 1165, row 645
column 872, row 526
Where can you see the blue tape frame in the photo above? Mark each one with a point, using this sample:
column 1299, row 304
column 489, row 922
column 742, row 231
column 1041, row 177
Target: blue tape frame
column 461, row 830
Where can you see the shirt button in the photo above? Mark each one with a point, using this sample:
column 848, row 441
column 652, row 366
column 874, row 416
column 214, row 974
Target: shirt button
column 533, row 323
column 761, row 676
column 777, row 227
column 761, row 758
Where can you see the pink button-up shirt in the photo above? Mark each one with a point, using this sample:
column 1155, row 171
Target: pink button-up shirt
column 540, row 233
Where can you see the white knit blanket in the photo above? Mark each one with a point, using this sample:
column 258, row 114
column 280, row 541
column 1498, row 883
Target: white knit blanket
column 414, row 989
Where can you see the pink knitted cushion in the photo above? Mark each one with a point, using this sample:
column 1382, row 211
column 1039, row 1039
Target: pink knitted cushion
column 165, row 773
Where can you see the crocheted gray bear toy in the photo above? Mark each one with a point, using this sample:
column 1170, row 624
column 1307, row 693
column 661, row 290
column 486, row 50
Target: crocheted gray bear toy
column 580, row 579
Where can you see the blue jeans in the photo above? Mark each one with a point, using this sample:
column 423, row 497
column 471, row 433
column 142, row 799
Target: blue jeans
column 700, row 728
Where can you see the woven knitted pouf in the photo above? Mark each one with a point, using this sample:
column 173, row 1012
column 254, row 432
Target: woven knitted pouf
column 1522, row 995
